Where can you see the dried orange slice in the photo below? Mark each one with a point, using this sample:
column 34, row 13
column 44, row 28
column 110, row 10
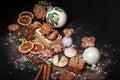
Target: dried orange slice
column 37, row 48
column 26, row 13
column 26, row 47
column 24, row 20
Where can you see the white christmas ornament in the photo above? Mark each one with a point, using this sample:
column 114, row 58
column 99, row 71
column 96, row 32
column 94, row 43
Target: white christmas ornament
column 67, row 41
column 56, row 16
column 91, row 55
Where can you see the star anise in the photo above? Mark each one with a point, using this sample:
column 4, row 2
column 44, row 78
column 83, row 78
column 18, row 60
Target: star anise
column 46, row 29
column 57, row 48
column 13, row 27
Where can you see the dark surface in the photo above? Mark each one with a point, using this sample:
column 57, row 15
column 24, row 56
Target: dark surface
column 100, row 16
column 103, row 15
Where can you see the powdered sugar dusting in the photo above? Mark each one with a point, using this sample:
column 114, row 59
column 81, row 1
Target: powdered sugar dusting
column 109, row 55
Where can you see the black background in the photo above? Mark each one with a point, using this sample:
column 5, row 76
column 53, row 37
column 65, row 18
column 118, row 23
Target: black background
column 102, row 16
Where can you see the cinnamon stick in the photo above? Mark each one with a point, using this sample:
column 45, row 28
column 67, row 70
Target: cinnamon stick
column 39, row 72
column 44, row 72
column 48, row 72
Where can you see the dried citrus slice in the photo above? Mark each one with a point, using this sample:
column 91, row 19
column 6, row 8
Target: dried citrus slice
column 24, row 20
column 37, row 48
column 26, row 13
column 26, row 47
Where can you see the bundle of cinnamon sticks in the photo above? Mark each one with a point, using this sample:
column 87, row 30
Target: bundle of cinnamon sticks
column 46, row 68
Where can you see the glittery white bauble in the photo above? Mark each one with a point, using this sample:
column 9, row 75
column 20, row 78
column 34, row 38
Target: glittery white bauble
column 67, row 41
column 91, row 55
column 57, row 17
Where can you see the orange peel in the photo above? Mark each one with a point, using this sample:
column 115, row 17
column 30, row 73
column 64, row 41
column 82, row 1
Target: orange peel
column 26, row 13
column 24, row 20
column 26, row 47
column 37, row 48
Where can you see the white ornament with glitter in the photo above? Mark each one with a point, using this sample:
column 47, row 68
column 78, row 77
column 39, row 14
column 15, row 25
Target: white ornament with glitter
column 67, row 41
column 91, row 55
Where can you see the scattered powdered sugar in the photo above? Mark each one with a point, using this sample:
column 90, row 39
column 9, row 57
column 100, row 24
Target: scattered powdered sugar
column 20, row 61
column 23, row 62
column 109, row 56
